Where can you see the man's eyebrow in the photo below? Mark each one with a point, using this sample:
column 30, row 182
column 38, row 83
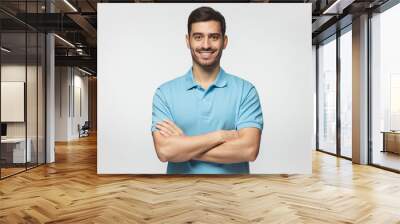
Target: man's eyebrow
column 210, row 34
column 197, row 34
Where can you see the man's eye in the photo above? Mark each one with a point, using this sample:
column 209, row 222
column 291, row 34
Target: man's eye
column 214, row 37
column 197, row 37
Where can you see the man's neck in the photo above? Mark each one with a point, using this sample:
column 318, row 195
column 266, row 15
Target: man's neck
column 205, row 76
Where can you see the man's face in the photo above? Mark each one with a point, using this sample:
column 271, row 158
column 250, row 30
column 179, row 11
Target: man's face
column 206, row 43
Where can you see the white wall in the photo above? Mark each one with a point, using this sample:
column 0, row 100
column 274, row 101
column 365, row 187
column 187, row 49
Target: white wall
column 61, row 103
column 314, row 73
column 80, row 83
column 68, row 81
column 141, row 46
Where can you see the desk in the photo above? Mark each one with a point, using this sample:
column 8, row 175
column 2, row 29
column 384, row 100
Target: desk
column 13, row 150
column 391, row 141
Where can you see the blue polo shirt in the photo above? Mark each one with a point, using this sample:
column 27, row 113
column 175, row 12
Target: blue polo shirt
column 229, row 103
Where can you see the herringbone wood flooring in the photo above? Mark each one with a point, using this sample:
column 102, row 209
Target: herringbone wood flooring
column 70, row 191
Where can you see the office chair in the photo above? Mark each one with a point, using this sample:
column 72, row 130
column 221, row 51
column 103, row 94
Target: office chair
column 84, row 130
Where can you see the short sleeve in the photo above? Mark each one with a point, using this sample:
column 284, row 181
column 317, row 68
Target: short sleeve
column 250, row 113
column 160, row 110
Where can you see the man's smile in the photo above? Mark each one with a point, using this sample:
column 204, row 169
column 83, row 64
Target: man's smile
column 206, row 54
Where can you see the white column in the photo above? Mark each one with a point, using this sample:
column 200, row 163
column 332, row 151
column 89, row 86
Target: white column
column 50, row 100
column 50, row 92
column 360, row 90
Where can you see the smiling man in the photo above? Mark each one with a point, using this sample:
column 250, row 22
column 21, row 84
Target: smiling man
column 207, row 121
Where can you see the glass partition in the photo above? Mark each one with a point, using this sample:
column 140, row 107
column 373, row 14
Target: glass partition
column 13, row 108
column 327, row 96
column 32, row 95
column 41, row 107
column 22, row 77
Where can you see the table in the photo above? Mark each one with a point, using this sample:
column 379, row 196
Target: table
column 391, row 141
column 13, row 150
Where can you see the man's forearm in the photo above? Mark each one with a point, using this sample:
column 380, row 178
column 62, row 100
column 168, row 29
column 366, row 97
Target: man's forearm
column 235, row 151
column 184, row 148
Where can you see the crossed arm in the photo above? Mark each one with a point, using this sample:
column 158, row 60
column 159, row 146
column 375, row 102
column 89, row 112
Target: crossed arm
column 223, row 146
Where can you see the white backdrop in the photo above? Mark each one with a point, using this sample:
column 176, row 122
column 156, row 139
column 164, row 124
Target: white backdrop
column 140, row 46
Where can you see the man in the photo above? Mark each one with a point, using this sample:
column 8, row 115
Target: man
column 207, row 121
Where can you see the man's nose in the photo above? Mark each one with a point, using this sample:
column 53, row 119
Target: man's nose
column 206, row 43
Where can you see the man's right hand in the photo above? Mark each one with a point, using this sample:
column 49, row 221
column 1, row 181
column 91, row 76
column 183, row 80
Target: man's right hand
column 168, row 128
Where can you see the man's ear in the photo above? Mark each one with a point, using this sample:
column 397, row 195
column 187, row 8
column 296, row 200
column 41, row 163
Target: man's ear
column 225, row 41
column 187, row 41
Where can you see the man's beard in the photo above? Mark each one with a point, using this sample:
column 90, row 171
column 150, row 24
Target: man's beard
column 207, row 65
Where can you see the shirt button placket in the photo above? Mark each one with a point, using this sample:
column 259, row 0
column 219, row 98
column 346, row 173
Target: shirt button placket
column 205, row 107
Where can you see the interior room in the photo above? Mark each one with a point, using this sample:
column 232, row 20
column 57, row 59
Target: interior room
column 53, row 111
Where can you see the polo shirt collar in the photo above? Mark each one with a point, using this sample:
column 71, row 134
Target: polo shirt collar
column 220, row 80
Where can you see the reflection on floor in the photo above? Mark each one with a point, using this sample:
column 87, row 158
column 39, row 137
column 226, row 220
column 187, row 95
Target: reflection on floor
column 386, row 159
column 347, row 152
column 8, row 169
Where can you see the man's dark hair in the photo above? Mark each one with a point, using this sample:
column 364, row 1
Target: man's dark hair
column 204, row 14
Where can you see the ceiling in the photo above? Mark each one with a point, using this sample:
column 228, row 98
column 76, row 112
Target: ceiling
column 76, row 22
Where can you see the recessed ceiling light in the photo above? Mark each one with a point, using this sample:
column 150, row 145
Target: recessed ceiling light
column 84, row 71
column 64, row 40
column 5, row 50
column 70, row 5
column 338, row 6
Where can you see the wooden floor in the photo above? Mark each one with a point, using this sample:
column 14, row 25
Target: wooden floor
column 70, row 191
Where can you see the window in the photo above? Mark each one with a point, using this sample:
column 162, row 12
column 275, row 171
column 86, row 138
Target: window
column 327, row 96
column 385, row 88
column 346, row 94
